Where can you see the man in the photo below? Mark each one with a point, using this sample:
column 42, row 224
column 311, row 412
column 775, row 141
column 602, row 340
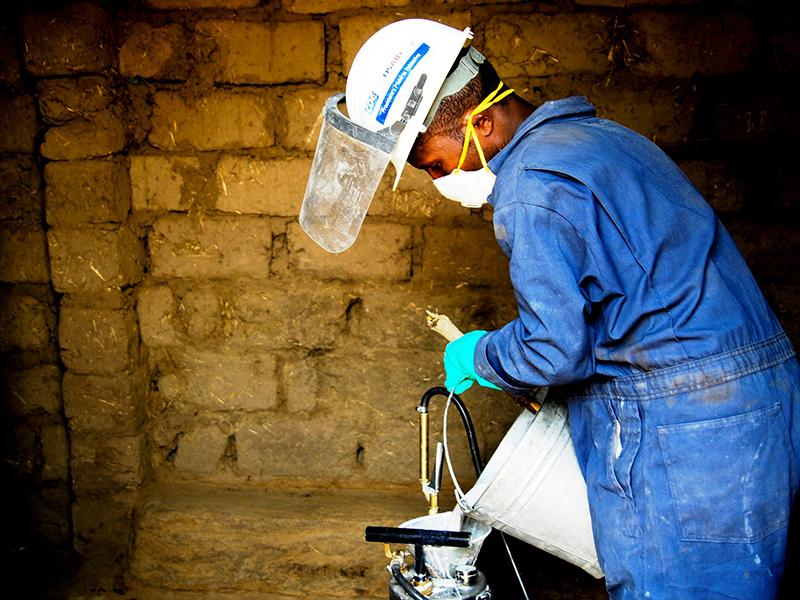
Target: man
column 636, row 309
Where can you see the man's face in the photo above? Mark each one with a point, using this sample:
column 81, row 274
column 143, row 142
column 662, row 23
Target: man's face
column 438, row 155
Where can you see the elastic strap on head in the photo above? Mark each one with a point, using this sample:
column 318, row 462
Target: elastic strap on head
column 491, row 99
column 465, row 71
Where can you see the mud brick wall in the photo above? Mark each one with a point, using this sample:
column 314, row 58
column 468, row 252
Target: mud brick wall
column 163, row 318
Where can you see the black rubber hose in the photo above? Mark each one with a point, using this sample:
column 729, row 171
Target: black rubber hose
column 405, row 583
column 472, row 440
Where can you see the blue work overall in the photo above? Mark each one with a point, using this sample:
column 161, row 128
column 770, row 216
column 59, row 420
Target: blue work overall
column 637, row 309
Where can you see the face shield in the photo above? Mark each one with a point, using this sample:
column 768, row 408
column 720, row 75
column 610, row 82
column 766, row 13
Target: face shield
column 393, row 81
column 349, row 163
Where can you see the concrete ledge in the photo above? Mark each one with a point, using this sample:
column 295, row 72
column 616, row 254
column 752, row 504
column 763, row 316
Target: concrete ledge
column 296, row 543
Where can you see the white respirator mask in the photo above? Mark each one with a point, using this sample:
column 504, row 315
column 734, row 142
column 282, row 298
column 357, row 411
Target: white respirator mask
column 471, row 188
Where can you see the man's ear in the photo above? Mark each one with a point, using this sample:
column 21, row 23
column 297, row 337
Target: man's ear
column 484, row 124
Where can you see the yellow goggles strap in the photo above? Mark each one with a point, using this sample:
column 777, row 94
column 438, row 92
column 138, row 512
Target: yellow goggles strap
column 492, row 98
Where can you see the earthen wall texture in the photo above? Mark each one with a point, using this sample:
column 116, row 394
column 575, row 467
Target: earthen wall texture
column 164, row 319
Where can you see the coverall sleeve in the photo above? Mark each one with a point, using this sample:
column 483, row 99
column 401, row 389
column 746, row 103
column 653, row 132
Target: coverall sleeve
column 551, row 267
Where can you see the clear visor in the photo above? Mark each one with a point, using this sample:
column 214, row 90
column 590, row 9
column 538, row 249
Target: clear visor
column 348, row 166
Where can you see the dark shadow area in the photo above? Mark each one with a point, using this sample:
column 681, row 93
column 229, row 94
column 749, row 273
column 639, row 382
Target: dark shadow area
column 546, row 577
column 33, row 565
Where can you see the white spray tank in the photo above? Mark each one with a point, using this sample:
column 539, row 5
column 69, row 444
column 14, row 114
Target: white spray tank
column 532, row 487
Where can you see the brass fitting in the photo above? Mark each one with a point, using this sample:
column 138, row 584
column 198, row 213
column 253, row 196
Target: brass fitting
column 423, row 449
column 433, row 503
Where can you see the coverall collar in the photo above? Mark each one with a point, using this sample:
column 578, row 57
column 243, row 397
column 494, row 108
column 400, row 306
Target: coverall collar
column 573, row 106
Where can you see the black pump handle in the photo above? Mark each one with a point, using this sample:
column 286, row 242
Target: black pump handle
column 423, row 537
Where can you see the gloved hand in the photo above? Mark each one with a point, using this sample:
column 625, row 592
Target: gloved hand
column 459, row 363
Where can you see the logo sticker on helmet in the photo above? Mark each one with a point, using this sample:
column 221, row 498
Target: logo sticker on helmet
column 372, row 102
column 399, row 80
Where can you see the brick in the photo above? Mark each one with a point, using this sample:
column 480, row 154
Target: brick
column 269, row 187
column 26, row 322
column 267, row 52
column 785, row 180
column 354, row 31
column 62, row 100
column 381, row 251
column 766, row 258
column 194, row 4
column 97, row 341
column 55, row 452
column 109, row 298
column 9, row 61
column 470, row 256
column 278, row 446
column 94, row 259
column 303, row 110
column 218, row 121
column 86, row 192
column 51, row 514
column 101, row 523
column 23, row 255
column 303, row 315
column 220, row 381
column 17, row 122
column 784, row 47
column 154, row 52
column 718, row 183
column 216, row 247
column 201, row 451
column 19, row 440
column 301, row 386
column 103, row 463
column 308, row 7
column 69, row 41
column 162, row 183
column 393, row 316
column 203, row 312
column 31, row 390
column 113, row 404
column 99, row 135
column 682, row 45
column 755, row 117
column 535, row 45
column 156, row 309
column 664, row 115
column 20, row 190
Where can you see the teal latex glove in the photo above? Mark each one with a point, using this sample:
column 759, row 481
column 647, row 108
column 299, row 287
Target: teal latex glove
column 459, row 363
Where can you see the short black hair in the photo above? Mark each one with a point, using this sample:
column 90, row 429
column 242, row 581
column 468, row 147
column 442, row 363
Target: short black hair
column 447, row 120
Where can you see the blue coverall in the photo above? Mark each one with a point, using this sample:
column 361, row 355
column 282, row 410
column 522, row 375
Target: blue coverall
column 636, row 307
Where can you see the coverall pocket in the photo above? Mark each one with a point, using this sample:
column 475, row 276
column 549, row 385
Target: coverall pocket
column 729, row 477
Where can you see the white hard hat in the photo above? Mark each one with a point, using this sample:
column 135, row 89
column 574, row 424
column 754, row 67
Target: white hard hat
column 395, row 79
column 389, row 66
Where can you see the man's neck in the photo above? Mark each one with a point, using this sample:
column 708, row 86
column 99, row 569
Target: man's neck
column 512, row 116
